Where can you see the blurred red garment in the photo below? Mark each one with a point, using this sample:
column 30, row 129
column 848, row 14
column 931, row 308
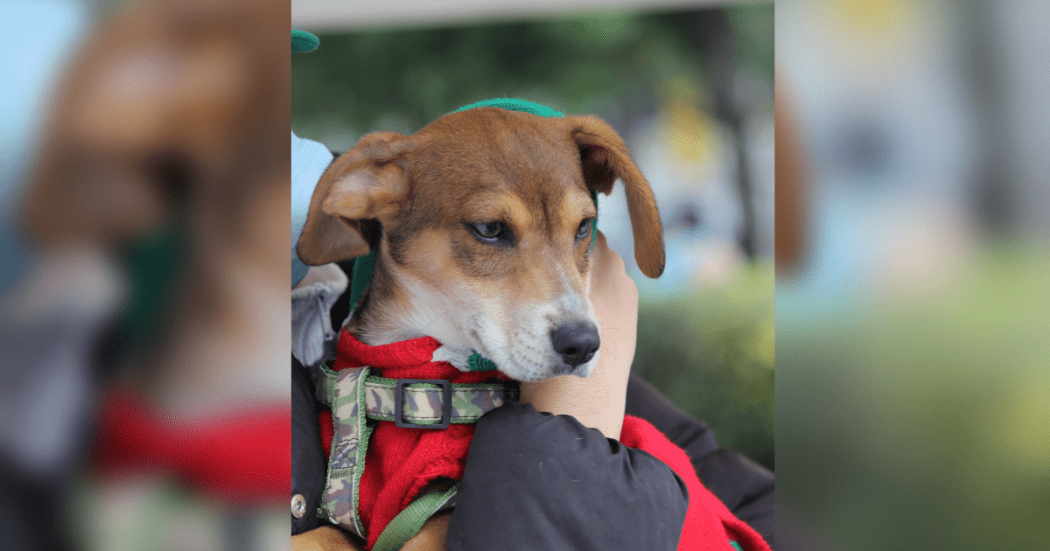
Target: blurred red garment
column 242, row 457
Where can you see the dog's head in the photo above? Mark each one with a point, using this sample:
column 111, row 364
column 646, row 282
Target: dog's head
column 171, row 112
column 483, row 221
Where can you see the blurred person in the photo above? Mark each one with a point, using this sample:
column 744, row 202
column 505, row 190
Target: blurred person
column 156, row 197
column 38, row 437
column 892, row 139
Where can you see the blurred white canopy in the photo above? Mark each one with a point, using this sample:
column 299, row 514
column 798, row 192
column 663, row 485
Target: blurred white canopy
column 321, row 15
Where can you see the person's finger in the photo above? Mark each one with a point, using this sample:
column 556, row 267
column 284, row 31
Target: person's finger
column 612, row 292
column 600, row 242
column 608, row 273
column 605, row 260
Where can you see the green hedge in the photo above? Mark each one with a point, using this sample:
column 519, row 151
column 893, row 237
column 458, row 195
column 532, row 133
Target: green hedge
column 711, row 352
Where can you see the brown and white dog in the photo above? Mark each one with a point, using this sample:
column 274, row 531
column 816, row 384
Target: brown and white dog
column 482, row 222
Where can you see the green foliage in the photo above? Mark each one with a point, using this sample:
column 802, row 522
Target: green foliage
column 609, row 64
column 931, row 402
column 753, row 27
column 711, row 354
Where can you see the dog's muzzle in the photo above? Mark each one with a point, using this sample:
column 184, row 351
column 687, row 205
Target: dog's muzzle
column 575, row 343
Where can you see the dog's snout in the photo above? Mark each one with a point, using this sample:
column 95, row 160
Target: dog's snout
column 575, row 342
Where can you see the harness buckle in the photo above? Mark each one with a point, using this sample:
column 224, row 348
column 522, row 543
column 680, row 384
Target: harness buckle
column 446, row 403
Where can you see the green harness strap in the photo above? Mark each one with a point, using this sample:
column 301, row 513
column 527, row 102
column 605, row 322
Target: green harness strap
column 407, row 523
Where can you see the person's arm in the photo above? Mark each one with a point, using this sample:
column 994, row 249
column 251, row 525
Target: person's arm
column 324, row 538
column 548, row 481
column 545, row 481
column 309, row 466
column 598, row 401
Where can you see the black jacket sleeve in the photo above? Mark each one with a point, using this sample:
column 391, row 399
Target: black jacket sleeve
column 745, row 487
column 539, row 481
column 309, row 466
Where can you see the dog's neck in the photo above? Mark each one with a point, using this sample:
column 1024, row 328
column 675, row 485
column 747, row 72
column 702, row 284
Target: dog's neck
column 393, row 310
column 371, row 321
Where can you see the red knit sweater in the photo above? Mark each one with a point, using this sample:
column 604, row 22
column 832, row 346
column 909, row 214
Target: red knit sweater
column 401, row 462
column 240, row 456
column 708, row 522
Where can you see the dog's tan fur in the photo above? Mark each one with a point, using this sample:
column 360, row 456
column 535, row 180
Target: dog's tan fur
column 189, row 85
column 176, row 112
column 411, row 196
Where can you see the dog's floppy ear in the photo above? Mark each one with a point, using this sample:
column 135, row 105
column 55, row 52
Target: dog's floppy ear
column 605, row 159
column 369, row 182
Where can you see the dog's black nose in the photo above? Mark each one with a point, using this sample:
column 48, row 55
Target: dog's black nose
column 576, row 342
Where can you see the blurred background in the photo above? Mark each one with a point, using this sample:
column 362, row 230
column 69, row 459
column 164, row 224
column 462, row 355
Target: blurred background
column 689, row 86
column 912, row 325
column 144, row 383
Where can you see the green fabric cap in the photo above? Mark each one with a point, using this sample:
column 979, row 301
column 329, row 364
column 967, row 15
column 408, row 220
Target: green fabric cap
column 303, row 41
column 515, row 105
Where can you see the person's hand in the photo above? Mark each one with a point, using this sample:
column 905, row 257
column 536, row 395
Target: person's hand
column 325, row 538
column 539, row 481
column 599, row 400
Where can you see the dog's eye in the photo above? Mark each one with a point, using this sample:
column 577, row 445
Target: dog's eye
column 488, row 231
column 585, row 228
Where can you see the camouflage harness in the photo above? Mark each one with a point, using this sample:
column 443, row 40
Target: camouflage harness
column 410, row 403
